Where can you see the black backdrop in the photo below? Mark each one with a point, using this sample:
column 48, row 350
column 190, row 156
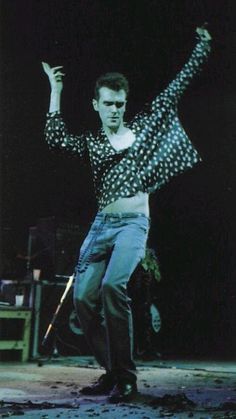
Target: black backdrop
column 193, row 229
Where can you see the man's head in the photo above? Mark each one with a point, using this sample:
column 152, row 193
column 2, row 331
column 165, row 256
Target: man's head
column 114, row 81
column 111, row 91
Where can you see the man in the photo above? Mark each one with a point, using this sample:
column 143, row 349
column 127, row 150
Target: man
column 128, row 161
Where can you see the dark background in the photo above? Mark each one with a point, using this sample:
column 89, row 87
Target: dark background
column 193, row 227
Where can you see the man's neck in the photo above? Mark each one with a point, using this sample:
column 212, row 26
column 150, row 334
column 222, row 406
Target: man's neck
column 122, row 139
column 110, row 131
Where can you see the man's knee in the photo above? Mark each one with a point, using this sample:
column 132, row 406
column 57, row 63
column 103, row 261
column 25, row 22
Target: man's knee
column 110, row 289
column 81, row 297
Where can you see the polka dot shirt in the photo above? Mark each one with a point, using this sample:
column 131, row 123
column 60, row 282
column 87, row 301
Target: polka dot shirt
column 161, row 149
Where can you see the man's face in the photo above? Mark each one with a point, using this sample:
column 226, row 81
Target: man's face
column 111, row 107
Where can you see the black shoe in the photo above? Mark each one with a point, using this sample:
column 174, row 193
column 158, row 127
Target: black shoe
column 123, row 392
column 103, row 386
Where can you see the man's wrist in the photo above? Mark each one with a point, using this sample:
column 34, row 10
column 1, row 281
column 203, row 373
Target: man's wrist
column 55, row 93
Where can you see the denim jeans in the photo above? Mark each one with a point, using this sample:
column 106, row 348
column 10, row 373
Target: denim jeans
column 110, row 253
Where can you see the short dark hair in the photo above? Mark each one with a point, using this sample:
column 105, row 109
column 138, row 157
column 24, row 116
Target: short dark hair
column 114, row 81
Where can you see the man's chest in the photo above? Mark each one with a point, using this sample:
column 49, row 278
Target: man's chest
column 122, row 141
column 103, row 149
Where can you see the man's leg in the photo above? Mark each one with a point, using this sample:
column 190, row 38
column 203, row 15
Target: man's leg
column 87, row 301
column 129, row 249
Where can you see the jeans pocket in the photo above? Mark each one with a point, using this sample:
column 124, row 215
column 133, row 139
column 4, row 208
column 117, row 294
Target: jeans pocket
column 142, row 224
column 144, row 228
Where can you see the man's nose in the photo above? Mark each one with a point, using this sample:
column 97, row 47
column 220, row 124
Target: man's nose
column 114, row 107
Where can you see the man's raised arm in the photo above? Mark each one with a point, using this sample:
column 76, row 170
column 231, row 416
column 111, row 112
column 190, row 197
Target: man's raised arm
column 193, row 66
column 55, row 79
column 177, row 87
column 56, row 132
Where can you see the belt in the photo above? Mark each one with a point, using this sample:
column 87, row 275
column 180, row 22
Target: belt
column 119, row 215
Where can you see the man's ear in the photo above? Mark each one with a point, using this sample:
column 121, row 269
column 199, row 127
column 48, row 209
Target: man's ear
column 95, row 104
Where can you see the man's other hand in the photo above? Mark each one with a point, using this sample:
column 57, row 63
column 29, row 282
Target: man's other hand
column 203, row 34
column 55, row 76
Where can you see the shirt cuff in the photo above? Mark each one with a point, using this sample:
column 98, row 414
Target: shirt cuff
column 53, row 114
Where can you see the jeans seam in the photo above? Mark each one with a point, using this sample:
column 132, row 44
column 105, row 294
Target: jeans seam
column 88, row 250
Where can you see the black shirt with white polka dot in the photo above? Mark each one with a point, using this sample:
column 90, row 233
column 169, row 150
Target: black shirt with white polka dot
column 161, row 149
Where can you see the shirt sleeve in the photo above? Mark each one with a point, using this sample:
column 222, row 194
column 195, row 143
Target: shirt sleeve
column 162, row 148
column 57, row 136
column 158, row 111
column 177, row 87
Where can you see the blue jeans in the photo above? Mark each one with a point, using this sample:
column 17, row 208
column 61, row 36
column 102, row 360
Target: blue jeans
column 110, row 253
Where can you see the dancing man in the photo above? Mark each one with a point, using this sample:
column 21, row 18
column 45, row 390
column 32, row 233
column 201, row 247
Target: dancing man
column 129, row 161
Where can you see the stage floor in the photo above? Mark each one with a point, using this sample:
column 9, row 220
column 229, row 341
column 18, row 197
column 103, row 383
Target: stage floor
column 171, row 388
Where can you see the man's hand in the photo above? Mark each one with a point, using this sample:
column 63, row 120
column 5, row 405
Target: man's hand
column 203, row 34
column 55, row 77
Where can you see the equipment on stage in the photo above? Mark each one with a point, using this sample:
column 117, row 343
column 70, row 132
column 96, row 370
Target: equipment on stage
column 52, row 251
column 55, row 315
column 54, row 247
column 56, row 327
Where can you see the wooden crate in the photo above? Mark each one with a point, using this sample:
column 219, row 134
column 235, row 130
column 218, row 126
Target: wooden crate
column 20, row 344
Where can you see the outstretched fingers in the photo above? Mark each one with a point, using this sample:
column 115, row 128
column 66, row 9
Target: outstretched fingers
column 58, row 75
column 46, row 67
column 52, row 71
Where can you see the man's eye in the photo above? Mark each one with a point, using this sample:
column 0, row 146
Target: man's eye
column 120, row 104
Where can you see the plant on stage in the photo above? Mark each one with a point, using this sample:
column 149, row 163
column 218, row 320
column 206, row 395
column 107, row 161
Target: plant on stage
column 150, row 264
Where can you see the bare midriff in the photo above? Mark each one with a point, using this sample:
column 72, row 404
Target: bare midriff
column 137, row 203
